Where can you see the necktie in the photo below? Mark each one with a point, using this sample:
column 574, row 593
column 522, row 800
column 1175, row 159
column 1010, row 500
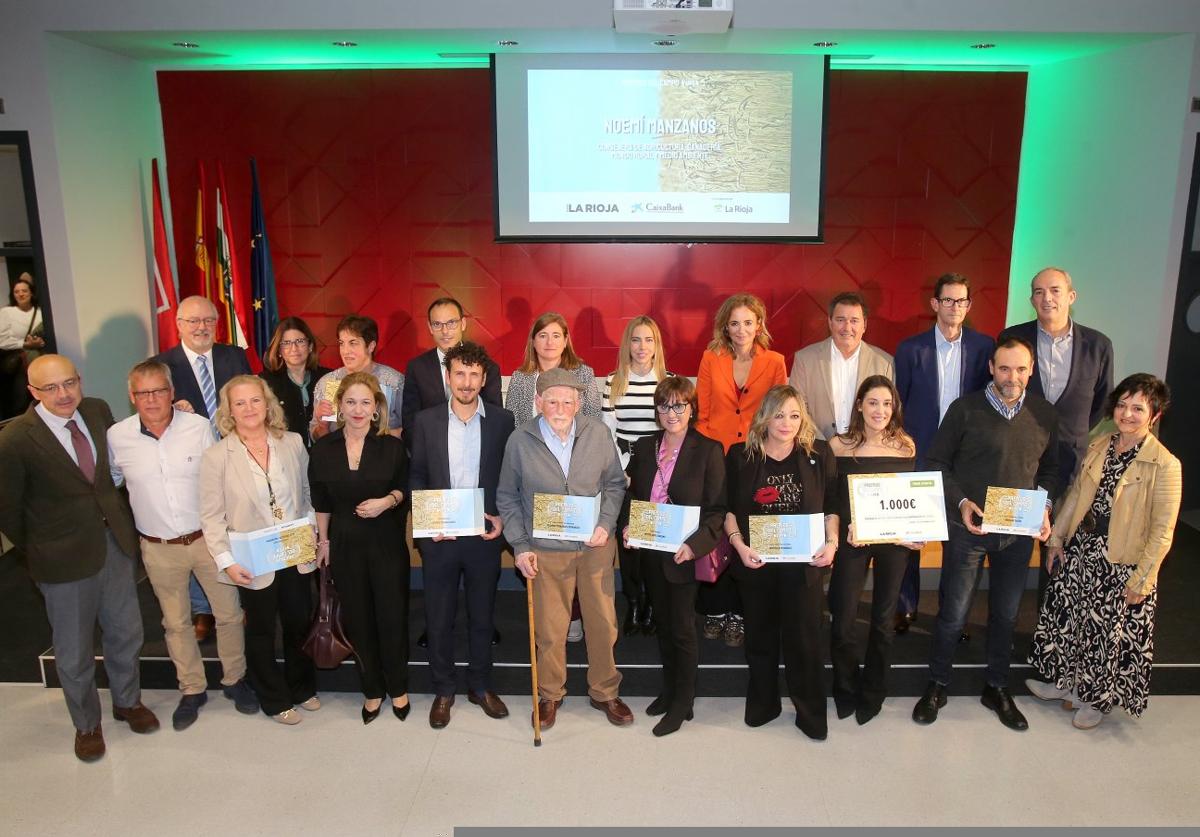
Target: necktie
column 83, row 451
column 207, row 388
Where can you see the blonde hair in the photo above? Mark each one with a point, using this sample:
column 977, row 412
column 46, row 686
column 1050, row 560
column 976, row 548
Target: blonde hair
column 569, row 359
column 721, row 344
column 772, row 402
column 366, row 379
column 620, row 377
column 276, row 421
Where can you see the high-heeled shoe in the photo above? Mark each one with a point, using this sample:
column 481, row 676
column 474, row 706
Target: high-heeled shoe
column 369, row 715
column 671, row 722
column 401, row 712
column 659, row 705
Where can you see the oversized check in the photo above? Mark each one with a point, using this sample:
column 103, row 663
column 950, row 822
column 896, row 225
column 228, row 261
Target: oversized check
column 1014, row 511
column 449, row 512
column 565, row 517
column 787, row 538
column 662, row 526
column 274, row 548
column 906, row 507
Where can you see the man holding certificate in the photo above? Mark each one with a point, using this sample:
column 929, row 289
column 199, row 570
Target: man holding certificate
column 561, row 489
column 1001, row 441
column 458, row 448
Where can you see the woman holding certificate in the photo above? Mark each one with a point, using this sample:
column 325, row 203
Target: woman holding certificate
column 676, row 466
column 549, row 347
column 781, row 473
column 358, row 474
column 1094, row 639
column 874, row 444
column 254, row 478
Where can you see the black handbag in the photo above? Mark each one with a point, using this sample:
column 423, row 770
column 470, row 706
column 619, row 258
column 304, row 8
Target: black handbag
column 326, row 642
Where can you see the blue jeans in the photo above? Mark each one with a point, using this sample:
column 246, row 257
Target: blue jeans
column 962, row 561
column 196, row 595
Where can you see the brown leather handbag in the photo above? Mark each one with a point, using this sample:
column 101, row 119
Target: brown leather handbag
column 326, row 642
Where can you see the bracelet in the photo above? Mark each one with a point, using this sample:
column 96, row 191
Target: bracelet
column 322, row 543
column 395, row 499
column 732, row 535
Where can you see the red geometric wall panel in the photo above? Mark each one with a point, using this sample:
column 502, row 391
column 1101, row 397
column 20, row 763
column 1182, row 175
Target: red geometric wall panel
column 378, row 191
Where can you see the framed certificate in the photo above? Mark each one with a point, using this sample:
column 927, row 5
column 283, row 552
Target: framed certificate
column 897, row 508
column 274, row 548
column 661, row 526
column 1014, row 511
column 449, row 512
column 787, row 538
column 565, row 517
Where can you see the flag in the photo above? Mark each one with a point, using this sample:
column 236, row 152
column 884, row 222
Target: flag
column 262, row 274
column 201, row 258
column 164, row 279
column 231, row 293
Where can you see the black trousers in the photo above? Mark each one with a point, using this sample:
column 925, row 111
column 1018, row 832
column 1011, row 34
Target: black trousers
column 722, row 596
column 372, row 586
column 288, row 601
column 633, row 562
column 867, row 688
column 477, row 563
column 675, row 618
column 783, row 612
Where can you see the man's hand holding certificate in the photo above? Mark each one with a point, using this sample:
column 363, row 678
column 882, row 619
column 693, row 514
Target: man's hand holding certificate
column 447, row 513
column 905, row 507
column 1015, row 511
column 565, row 517
column 661, row 526
column 787, row 538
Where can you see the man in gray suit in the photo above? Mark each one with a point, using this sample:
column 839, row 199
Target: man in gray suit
column 60, row 508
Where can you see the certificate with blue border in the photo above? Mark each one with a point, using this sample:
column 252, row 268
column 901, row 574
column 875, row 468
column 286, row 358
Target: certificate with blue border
column 565, row 517
column 787, row 538
column 661, row 526
column 275, row 547
column 1014, row 511
column 448, row 512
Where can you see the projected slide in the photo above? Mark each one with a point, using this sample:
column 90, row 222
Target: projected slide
column 660, row 146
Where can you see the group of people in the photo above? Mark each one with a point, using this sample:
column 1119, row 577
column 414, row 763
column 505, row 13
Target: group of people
column 212, row 451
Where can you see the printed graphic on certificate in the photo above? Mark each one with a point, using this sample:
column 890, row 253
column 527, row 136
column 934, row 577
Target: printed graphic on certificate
column 661, row 526
column 565, row 517
column 330, row 395
column 787, row 538
column 274, row 548
column 907, row 507
column 450, row 512
column 1014, row 511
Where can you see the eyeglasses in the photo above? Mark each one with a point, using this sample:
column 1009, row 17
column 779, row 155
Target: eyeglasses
column 53, row 389
column 150, row 394
column 195, row 321
column 448, row 325
column 951, row 302
column 676, row 408
column 298, row 343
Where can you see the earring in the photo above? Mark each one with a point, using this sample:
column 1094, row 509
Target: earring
column 375, row 416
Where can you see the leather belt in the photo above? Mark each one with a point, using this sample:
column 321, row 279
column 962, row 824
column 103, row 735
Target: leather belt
column 182, row 539
column 624, row 445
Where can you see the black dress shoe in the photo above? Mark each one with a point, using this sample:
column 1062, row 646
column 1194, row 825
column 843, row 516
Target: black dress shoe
column 926, row 710
column 495, row 636
column 965, row 636
column 633, row 619
column 423, row 639
column 1000, row 701
column 659, row 705
column 903, row 622
column 369, row 715
column 648, row 626
column 671, row 722
column 863, row 714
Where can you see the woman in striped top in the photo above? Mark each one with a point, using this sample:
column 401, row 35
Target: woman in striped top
column 629, row 413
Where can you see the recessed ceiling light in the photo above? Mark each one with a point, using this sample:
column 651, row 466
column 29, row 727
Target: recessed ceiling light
column 507, row 43
column 345, row 44
column 983, row 46
column 186, row 45
column 665, row 43
column 825, row 44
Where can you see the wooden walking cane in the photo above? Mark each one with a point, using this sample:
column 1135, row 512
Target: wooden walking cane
column 537, row 717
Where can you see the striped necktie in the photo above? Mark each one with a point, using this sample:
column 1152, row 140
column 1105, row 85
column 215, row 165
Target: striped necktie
column 207, row 388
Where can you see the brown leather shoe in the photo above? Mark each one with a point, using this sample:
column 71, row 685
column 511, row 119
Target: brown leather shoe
column 439, row 713
column 490, row 703
column 547, row 713
column 615, row 710
column 89, row 746
column 140, row 719
column 204, row 624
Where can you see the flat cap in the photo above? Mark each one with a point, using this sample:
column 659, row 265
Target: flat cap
column 558, row 377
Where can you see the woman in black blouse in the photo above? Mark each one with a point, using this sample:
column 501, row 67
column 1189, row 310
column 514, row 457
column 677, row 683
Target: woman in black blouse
column 782, row 468
column 291, row 370
column 358, row 475
column 875, row 443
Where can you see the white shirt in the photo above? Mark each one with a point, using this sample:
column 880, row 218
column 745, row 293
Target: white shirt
column 843, row 384
column 58, row 426
column 14, row 325
column 162, row 474
column 949, row 364
column 464, row 446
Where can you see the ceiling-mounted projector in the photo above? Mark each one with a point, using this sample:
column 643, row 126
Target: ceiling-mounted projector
column 673, row 17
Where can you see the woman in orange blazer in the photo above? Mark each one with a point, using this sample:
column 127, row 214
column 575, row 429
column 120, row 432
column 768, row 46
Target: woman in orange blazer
column 736, row 371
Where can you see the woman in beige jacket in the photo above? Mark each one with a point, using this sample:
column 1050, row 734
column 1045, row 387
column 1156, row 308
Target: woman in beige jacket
column 1094, row 640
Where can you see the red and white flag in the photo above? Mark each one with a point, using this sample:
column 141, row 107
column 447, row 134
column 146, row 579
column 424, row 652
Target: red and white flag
column 164, row 279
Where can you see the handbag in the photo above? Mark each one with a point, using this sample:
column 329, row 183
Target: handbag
column 710, row 565
column 326, row 642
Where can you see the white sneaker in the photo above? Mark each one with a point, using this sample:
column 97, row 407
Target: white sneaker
column 1087, row 717
column 312, row 704
column 288, row 716
column 1046, row 691
column 575, row 631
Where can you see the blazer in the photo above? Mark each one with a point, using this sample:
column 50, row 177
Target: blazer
column 725, row 411
column 1144, row 508
column 49, row 510
column 298, row 416
column 1081, row 405
column 228, row 361
column 424, row 386
column 429, row 467
column 812, row 376
column 229, row 500
column 917, row 380
column 698, row 480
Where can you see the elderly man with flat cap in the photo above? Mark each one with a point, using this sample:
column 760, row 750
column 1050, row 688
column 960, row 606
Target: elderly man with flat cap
column 59, row 506
column 560, row 451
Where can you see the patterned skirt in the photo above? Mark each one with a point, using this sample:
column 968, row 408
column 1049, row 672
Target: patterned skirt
column 1088, row 639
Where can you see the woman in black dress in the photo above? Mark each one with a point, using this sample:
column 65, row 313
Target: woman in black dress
column 874, row 444
column 358, row 475
column 291, row 370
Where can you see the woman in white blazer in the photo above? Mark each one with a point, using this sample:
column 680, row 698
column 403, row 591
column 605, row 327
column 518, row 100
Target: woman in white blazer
column 255, row 477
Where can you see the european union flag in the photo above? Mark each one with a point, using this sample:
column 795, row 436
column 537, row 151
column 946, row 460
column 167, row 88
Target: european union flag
column 262, row 274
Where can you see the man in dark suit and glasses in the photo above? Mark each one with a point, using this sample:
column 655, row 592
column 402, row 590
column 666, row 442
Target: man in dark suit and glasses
column 60, row 508
column 199, row 368
column 461, row 445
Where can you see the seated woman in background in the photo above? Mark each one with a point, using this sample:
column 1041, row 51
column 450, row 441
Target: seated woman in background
column 21, row 340
column 548, row 347
column 291, row 368
column 358, row 338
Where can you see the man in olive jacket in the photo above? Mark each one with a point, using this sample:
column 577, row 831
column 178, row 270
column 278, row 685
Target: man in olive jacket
column 60, row 508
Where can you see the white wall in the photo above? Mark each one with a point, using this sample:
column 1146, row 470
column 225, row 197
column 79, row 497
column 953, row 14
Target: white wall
column 1103, row 190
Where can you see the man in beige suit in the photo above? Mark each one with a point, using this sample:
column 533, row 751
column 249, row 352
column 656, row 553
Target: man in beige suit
column 828, row 373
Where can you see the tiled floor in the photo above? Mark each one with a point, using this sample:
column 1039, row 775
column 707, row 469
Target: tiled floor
column 233, row 775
